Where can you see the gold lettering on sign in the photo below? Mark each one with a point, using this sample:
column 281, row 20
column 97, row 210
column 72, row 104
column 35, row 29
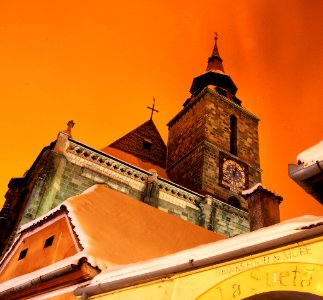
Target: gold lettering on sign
column 236, row 290
column 300, row 277
column 278, row 257
column 296, row 277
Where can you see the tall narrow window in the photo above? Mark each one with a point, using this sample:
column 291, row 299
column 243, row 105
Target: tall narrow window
column 233, row 135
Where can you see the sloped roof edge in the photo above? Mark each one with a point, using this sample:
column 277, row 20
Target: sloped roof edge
column 265, row 238
column 95, row 244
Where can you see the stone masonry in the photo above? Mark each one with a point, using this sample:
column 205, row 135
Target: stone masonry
column 71, row 167
column 199, row 132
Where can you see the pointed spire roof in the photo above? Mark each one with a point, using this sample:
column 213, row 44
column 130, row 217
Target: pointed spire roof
column 215, row 61
column 143, row 142
column 214, row 75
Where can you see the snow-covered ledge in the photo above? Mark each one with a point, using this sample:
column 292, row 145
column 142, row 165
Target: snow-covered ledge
column 311, row 156
column 308, row 173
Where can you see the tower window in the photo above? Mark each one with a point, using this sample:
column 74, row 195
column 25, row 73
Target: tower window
column 23, row 254
column 233, row 201
column 233, row 135
column 49, row 241
column 147, row 144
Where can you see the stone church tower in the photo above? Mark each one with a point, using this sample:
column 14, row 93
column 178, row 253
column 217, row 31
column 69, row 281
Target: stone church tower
column 211, row 157
column 213, row 145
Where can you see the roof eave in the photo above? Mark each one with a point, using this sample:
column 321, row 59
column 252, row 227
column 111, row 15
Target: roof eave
column 133, row 275
column 301, row 176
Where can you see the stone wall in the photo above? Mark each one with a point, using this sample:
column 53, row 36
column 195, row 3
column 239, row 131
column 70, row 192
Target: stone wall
column 186, row 133
column 71, row 167
column 197, row 135
column 219, row 109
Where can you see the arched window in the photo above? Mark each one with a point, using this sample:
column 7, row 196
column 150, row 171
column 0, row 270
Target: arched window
column 233, row 135
column 233, row 201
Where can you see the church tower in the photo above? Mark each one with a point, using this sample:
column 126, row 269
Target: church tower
column 213, row 146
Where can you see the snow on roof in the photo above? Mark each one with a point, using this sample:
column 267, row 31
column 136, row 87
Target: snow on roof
column 16, row 281
column 243, row 244
column 109, row 223
column 311, row 155
column 259, row 186
column 39, row 219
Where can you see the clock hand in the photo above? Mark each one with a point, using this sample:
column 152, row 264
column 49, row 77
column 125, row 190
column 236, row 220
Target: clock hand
column 234, row 171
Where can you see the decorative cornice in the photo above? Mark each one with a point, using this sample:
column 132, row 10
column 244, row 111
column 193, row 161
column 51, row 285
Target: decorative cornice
column 107, row 162
column 228, row 208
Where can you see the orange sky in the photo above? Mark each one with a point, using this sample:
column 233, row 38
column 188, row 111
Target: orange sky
column 101, row 62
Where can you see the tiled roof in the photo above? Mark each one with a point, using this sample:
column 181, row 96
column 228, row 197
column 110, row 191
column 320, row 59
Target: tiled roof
column 143, row 142
column 135, row 161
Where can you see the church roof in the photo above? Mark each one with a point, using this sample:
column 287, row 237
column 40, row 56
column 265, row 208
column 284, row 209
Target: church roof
column 143, row 142
column 109, row 223
column 136, row 161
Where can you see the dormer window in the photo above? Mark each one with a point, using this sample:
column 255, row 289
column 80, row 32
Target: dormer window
column 49, row 241
column 147, row 144
column 23, row 254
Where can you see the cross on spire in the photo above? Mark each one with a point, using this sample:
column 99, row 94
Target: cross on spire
column 215, row 61
column 152, row 109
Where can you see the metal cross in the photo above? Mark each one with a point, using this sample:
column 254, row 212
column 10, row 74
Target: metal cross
column 216, row 35
column 152, row 109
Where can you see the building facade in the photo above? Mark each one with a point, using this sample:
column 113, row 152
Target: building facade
column 212, row 155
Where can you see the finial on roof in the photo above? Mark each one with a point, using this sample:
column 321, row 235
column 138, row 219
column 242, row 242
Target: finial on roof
column 152, row 109
column 70, row 125
column 215, row 61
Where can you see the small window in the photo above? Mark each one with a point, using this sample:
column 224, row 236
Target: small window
column 147, row 144
column 233, row 201
column 23, row 254
column 49, row 241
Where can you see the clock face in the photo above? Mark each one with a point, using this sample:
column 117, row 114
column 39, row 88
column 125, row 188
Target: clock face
column 233, row 174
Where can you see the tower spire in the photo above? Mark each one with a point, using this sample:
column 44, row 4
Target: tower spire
column 215, row 61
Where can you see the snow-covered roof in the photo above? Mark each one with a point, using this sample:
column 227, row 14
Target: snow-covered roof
column 72, row 260
column 109, row 223
column 114, row 229
column 311, row 155
column 244, row 244
column 259, row 186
